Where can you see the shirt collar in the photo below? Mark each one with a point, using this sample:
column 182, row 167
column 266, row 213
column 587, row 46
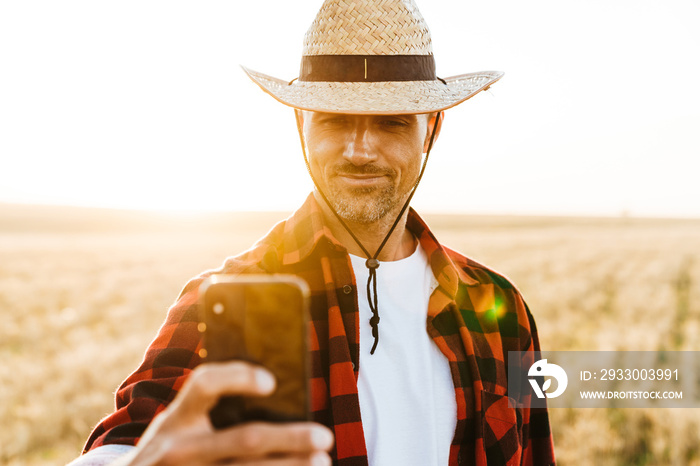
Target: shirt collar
column 306, row 228
column 447, row 273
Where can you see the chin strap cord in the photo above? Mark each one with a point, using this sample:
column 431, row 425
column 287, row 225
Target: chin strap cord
column 372, row 263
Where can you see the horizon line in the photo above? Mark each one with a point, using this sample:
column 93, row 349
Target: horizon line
column 624, row 214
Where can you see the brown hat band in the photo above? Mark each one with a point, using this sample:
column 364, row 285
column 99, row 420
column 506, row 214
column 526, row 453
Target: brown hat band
column 367, row 68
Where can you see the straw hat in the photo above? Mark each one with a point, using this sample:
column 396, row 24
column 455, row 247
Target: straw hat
column 371, row 56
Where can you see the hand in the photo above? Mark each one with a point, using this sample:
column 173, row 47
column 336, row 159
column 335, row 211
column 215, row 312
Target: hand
column 183, row 434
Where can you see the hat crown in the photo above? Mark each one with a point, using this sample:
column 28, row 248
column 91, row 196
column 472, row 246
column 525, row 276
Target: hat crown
column 368, row 27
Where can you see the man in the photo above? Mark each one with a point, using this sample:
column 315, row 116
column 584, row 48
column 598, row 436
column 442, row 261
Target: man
column 409, row 339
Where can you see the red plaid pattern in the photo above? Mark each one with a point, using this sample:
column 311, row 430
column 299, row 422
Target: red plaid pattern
column 475, row 317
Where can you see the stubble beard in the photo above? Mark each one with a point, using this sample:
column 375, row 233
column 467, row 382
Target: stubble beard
column 364, row 206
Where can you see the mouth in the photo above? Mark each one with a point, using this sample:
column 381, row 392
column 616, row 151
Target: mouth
column 364, row 180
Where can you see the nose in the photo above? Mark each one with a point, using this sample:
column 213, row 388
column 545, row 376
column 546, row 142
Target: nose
column 358, row 145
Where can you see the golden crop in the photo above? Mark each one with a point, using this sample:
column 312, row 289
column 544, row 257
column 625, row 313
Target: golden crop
column 83, row 291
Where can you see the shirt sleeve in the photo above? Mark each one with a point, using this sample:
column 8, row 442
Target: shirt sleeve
column 538, row 446
column 101, row 456
column 166, row 365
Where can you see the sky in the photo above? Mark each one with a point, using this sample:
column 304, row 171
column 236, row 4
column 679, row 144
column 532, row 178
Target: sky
column 142, row 104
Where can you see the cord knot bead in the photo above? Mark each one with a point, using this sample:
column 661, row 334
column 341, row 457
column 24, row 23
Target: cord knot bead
column 372, row 264
column 374, row 321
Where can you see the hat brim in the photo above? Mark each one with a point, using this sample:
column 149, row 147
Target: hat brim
column 379, row 98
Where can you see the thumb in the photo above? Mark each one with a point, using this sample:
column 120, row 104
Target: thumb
column 210, row 381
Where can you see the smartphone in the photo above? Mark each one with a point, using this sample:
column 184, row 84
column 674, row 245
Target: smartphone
column 260, row 319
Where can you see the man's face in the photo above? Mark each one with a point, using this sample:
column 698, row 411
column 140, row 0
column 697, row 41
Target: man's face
column 365, row 164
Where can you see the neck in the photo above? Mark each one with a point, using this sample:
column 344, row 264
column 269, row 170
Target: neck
column 400, row 244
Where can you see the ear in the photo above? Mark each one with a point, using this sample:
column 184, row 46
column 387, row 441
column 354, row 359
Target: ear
column 299, row 115
column 431, row 125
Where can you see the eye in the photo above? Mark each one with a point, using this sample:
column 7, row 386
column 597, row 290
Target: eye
column 393, row 123
column 333, row 120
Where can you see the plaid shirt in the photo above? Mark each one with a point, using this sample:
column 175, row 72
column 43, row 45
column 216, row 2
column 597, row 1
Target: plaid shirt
column 475, row 317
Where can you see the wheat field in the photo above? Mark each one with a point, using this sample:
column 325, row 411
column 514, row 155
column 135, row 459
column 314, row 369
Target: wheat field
column 83, row 291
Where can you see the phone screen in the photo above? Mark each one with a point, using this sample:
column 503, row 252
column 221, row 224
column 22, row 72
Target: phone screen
column 260, row 319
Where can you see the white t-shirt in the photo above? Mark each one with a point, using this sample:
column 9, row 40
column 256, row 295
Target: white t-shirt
column 406, row 393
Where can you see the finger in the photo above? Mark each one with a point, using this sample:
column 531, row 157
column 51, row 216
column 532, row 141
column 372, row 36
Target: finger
column 315, row 459
column 260, row 439
column 208, row 382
